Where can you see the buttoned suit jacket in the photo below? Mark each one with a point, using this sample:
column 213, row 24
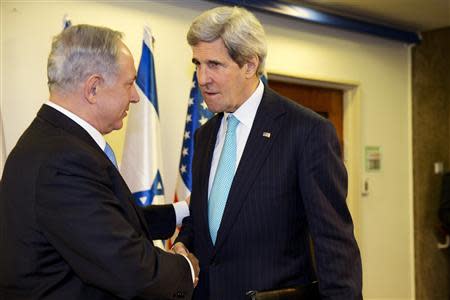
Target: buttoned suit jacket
column 290, row 185
column 70, row 228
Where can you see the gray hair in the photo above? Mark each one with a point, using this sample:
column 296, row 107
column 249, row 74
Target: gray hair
column 81, row 51
column 242, row 34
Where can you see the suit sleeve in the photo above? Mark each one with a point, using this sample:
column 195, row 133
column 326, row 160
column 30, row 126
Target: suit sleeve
column 186, row 234
column 80, row 215
column 161, row 220
column 323, row 182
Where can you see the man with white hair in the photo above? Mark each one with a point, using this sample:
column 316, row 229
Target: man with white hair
column 267, row 175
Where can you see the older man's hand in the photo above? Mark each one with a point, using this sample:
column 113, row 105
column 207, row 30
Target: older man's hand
column 180, row 248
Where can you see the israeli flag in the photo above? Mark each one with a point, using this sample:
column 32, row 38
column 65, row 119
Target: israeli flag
column 141, row 161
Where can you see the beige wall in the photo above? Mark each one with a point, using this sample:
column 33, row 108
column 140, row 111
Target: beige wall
column 377, row 106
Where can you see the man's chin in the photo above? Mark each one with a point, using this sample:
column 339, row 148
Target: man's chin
column 213, row 109
column 117, row 126
column 210, row 105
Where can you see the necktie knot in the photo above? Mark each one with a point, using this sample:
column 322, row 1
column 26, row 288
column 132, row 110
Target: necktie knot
column 110, row 153
column 232, row 123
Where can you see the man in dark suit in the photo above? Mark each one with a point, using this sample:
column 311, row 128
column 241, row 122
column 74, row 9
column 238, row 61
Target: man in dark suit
column 266, row 183
column 69, row 226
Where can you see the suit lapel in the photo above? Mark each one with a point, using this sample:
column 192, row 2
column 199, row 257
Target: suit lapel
column 205, row 168
column 262, row 136
column 59, row 120
column 117, row 178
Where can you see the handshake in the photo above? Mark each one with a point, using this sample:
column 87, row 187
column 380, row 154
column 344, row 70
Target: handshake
column 180, row 248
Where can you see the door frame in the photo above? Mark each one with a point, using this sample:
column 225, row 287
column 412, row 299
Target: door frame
column 352, row 135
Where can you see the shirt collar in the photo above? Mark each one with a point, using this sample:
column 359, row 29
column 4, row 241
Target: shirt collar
column 94, row 133
column 247, row 111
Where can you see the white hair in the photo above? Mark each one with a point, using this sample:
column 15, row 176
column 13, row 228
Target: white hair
column 80, row 51
column 241, row 32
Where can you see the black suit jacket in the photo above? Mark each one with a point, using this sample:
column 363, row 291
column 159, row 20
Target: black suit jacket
column 287, row 187
column 70, row 229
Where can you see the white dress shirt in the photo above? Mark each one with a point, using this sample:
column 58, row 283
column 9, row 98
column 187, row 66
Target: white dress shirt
column 246, row 115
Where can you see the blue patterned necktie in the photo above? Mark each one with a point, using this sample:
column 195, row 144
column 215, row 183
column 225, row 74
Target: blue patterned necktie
column 223, row 178
column 110, row 153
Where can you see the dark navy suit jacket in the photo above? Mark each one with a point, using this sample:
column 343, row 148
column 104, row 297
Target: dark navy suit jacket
column 288, row 187
column 69, row 228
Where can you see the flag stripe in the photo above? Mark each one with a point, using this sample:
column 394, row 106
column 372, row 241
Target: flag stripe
column 146, row 79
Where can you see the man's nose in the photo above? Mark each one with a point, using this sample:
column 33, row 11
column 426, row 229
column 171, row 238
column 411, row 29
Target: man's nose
column 202, row 76
column 134, row 94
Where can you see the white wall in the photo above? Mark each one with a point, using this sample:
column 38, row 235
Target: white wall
column 377, row 67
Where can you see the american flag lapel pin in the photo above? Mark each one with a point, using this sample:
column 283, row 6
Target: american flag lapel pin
column 266, row 134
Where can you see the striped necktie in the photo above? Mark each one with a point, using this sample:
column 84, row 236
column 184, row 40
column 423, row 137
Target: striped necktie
column 223, row 178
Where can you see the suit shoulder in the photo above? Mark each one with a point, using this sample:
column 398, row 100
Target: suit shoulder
column 42, row 144
column 297, row 113
column 209, row 125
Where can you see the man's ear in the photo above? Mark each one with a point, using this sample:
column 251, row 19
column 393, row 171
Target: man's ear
column 91, row 86
column 251, row 67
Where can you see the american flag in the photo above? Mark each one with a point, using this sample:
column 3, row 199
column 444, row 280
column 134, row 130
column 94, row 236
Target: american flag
column 197, row 115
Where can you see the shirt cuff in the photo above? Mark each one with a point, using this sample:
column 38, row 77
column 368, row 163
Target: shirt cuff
column 181, row 211
column 190, row 266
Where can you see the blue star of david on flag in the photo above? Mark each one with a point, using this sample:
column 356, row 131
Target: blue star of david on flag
column 145, row 198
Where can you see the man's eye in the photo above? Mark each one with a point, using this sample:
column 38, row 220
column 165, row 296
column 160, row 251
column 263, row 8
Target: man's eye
column 213, row 64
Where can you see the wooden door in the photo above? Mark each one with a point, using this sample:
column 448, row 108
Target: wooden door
column 327, row 102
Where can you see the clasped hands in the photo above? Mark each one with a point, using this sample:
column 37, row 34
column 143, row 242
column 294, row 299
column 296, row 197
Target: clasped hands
column 180, row 248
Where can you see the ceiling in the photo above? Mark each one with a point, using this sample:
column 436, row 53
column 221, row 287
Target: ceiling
column 414, row 15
